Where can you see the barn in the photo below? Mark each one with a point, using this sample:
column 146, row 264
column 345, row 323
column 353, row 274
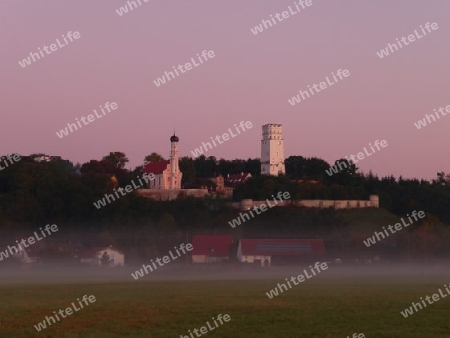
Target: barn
column 211, row 248
column 279, row 251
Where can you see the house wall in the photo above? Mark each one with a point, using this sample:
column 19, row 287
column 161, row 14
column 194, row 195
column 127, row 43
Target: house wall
column 119, row 259
column 158, row 182
column 252, row 259
column 198, row 258
column 207, row 259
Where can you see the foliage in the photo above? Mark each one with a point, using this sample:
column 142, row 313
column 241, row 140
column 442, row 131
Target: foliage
column 33, row 194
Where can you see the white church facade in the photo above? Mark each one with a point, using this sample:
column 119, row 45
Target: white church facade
column 168, row 176
column 167, row 173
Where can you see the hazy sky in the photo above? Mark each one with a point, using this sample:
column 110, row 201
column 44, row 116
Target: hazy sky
column 251, row 78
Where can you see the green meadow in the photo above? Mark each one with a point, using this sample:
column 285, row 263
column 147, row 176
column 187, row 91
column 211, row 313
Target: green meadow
column 325, row 306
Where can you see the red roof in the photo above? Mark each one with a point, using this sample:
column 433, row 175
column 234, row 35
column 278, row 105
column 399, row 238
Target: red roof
column 218, row 245
column 282, row 247
column 156, row 167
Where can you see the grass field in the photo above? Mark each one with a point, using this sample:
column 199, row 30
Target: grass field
column 324, row 306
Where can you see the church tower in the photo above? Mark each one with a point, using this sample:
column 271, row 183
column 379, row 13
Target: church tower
column 175, row 175
column 272, row 150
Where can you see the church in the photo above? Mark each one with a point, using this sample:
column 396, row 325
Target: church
column 167, row 173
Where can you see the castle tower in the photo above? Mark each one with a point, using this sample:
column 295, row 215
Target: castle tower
column 272, row 150
column 175, row 173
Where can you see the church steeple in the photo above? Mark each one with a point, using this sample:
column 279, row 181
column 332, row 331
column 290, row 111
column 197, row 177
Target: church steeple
column 175, row 174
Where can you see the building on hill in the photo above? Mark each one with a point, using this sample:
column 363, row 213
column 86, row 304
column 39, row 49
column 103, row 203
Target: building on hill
column 203, row 183
column 211, row 248
column 272, row 150
column 215, row 186
column 279, row 251
column 236, row 179
column 103, row 256
column 167, row 183
column 46, row 158
column 167, row 173
column 16, row 253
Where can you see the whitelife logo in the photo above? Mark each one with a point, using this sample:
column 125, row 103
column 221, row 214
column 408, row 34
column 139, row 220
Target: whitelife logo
column 166, row 259
column 371, row 240
column 361, row 156
column 225, row 137
column 204, row 329
column 263, row 207
column 318, row 267
column 9, row 158
column 124, row 10
column 418, row 306
column 341, row 74
column 284, row 14
column 31, row 240
column 105, row 200
column 48, row 50
column 188, row 66
column 68, row 311
column 423, row 123
column 90, row 118
column 411, row 38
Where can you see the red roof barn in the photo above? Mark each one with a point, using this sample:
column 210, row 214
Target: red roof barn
column 211, row 248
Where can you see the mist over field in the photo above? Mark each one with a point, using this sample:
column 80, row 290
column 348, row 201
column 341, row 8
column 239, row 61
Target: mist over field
column 224, row 169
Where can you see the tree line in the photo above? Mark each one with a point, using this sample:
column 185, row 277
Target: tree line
column 34, row 193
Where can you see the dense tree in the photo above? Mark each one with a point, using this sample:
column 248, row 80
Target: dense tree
column 33, row 194
column 117, row 158
column 153, row 157
column 188, row 168
column 299, row 167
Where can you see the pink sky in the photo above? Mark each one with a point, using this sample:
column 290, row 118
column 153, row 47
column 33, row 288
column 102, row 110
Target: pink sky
column 251, row 78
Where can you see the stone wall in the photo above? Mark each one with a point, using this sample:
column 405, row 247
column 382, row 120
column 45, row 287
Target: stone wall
column 247, row 204
column 171, row 194
column 373, row 202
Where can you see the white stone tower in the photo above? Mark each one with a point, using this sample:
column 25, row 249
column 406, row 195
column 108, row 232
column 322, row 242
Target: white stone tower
column 272, row 150
column 175, row 175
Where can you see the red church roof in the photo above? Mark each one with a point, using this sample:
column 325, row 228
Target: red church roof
column 282, row 247
column 218, row 245
column 156, row 167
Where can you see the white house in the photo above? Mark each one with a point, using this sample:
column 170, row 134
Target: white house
column 265, row 251
column 96, row 256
